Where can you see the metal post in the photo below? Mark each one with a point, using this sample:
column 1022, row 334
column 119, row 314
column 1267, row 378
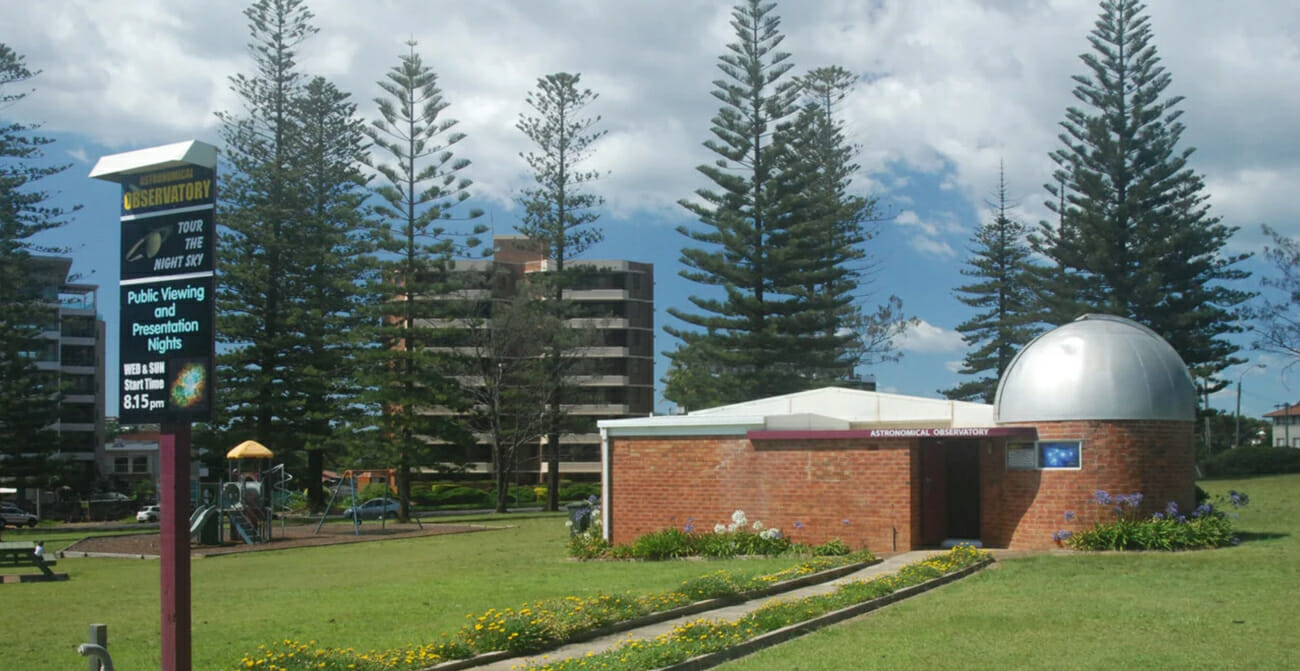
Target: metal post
column 174, row 446
column 1236, row 422
column 98, row 636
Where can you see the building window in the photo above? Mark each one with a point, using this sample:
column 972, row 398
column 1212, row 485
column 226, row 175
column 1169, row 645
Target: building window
column 121, row 465
column 140, row 465
column 1045, row 455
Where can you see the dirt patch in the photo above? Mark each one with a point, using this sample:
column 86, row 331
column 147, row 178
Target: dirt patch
column 290, row 537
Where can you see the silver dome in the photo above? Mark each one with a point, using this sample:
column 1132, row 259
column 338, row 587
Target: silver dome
column 1096, row 367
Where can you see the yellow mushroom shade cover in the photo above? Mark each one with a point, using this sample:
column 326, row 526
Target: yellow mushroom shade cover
column 249, row 449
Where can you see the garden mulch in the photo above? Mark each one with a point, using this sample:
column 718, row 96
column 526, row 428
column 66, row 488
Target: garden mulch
column 147, row 546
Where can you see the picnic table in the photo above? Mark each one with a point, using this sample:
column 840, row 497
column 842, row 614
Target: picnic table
column 21, row 553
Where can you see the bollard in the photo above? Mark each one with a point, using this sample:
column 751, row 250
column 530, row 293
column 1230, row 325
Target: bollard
column 97, row 649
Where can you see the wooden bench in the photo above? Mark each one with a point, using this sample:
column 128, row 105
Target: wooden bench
column 22, row 553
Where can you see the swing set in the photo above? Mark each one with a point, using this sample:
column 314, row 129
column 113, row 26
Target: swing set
column 354, row 480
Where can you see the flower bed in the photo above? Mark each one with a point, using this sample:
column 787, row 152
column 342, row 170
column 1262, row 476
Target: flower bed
column 1169, row 529
column 540, row 625
column 775, row 621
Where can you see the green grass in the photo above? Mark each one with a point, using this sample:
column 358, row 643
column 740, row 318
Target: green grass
column 368, row 595
column 1233, row 608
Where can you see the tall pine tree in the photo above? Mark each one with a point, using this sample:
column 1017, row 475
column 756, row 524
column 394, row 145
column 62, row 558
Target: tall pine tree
column 1134, row 235
column 998, row 263
column 832, row 229
column 422, row 185
column 29, row 397
column 329, row 238
column 778, row 236
column 287, row 213
column 559, row 214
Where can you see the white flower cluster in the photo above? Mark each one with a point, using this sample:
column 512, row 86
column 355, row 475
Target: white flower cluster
column 739, row 521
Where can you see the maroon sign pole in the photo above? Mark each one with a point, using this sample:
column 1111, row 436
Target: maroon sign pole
column 175, row 541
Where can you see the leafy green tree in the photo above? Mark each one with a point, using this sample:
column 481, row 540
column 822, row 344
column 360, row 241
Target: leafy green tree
column 1134, row 235
column 998, row 263
column 413, row 396
column 765, row 334
column 29, row 397
column 1277, row 327
column 557, row 211
column 508, row 330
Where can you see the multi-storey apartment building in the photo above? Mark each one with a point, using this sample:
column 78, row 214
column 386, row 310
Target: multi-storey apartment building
column 73, row 349
column 613, row 376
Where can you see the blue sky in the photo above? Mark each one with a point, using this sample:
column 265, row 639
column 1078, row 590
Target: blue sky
column 951, row 89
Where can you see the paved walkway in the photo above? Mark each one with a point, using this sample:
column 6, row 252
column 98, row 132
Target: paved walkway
column 729, row 613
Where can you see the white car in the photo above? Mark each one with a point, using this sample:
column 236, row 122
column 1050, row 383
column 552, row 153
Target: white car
column 149, row 514
column 14, row 516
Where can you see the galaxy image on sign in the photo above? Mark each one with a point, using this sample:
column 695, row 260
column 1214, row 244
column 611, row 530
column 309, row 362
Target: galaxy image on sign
column 1058, row 455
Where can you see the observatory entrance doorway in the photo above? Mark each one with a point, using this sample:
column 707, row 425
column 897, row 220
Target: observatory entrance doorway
column 950, row 490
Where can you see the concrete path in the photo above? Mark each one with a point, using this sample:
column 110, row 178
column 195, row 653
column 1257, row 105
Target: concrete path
column 729, row 613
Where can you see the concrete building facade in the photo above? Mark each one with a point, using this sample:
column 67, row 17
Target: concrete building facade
column 613, row 376
column 73, row 349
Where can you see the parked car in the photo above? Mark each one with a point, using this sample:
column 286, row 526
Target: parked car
column 149, row 514
column 14, row 516
column 374, row 509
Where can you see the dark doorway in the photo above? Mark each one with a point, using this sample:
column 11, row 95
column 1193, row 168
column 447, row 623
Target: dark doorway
column 950, row 490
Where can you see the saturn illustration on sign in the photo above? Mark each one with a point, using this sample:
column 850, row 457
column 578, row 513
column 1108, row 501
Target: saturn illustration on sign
column 147, row 246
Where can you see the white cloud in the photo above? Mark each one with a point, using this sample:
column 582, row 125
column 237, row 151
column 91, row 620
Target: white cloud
column 926, row 337
column 953, row 366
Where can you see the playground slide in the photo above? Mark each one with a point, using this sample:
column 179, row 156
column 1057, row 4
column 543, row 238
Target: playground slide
column 200, row 517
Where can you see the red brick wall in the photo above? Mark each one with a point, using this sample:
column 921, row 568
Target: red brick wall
column 859, row 492
column 1022, row 508
column 868, row 494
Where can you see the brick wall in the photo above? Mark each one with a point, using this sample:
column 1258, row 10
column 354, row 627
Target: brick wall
column 858, row 492
column 1022, row 508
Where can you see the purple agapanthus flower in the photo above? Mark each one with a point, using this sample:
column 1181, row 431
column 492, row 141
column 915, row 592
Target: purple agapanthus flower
column 1102, row 497
column 1158, row 516
column 690, row 525
column 1069, row 516
column 1061, row 535
column 1236, row 540
column 1171, row 508
column 844, row 521
column 1237, row 498
column 798, row 524
column 1135, row 499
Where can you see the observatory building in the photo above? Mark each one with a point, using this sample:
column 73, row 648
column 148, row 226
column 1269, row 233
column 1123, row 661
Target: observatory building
column 1101, row 403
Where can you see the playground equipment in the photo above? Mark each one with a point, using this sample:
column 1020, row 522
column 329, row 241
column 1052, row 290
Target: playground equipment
column 354, row 480
column 246, row 501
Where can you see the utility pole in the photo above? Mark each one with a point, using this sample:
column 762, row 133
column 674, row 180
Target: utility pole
column 1236, row 425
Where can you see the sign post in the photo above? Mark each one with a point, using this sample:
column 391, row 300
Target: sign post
column 166, row 346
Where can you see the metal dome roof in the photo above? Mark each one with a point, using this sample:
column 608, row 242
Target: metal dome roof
column 1096, row 367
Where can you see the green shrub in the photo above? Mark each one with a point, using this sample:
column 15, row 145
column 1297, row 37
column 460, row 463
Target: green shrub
column 831, row 548
column 376, row 490
column 579, row 491
column 1253, row 460
column 666, row 544
column 456, row 495
column 1126, row 529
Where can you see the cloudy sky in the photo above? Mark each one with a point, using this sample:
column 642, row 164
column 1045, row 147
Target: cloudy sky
column 950, row 89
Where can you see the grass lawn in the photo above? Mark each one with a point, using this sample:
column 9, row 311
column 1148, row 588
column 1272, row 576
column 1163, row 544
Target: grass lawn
column 1233, row 608
column 368, row 595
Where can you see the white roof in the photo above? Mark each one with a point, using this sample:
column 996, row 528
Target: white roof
column 826, row 409
column 190, row 152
